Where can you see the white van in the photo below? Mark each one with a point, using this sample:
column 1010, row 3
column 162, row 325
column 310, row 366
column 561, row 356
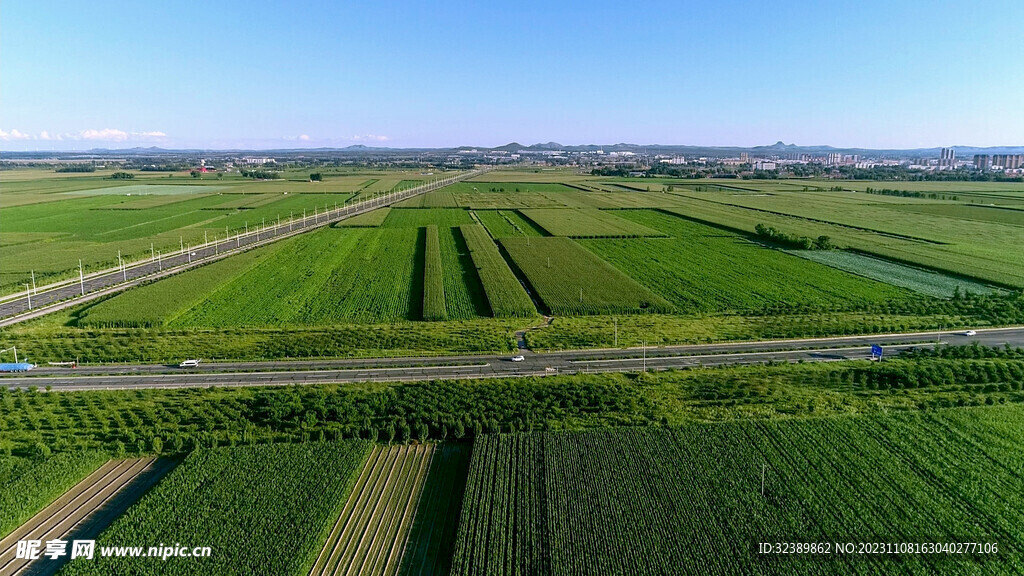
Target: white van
column 189, row 364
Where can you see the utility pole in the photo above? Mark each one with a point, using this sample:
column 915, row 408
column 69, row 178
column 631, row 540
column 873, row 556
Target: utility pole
column 159, row 261
column 181, row 243
column 189, row 253
column 81, row 276
column 28, row 292
column 615, row 342
column 34, row 291
column 645, row 356
column 152, row 252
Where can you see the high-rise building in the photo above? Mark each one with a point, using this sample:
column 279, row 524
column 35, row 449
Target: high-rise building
column 947, row 158
column 1008, row 161
column 982, row 162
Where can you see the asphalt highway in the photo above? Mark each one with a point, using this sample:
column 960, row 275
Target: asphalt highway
column 126, row 377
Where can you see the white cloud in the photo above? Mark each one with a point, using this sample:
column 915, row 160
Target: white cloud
column 304, row 137
column 370, row 138
column 14, row 134
column 107, row 134
column 153, row 134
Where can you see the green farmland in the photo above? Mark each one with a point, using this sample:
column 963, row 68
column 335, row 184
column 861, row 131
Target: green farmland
column 463, row 268
column 667, row 501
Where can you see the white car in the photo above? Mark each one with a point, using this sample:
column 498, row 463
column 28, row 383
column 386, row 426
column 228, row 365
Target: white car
column 518, row 358
column 192, row 363
column 970, row 333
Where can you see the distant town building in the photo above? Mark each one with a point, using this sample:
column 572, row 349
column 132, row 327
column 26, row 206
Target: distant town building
column 744, row 157
column 982, row 162
column 1007, row 161
column 257, row 160
column 947, row 158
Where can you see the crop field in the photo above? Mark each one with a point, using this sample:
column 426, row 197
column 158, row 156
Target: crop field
column 370, row 534
column 505, row 295
column 159, row 303
column 589, row 223
column 915, row 252
column 433, row 278
column 415, row 218
column 329, row 276
column 665, row 501
column 571, row 280
column 27, row 485
column 922, row 281
column 507, row 223
column 371, row 219
column 239, row 501
column 463, row 290
column 703, row 269
column 146, row 190
column 969, row 212
column 437, row 199
column 962, row 246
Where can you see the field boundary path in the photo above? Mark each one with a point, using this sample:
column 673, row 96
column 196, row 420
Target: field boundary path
column 521, row 334
column 82, row 512
column 15, row 308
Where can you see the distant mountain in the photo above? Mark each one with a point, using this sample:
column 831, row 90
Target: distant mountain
column 779, row 147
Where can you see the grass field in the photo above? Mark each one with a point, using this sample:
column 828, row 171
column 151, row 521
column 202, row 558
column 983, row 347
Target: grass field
column 571, row 280
column 239, row 501
column 667, row 501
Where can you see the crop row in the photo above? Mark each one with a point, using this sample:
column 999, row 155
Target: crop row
column 433, row 278
column 505, row 294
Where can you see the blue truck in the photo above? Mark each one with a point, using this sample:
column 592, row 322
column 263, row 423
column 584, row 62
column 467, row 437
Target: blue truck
column 16, row 366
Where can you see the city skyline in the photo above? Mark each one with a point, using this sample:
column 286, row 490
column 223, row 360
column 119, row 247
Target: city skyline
column 742, row 74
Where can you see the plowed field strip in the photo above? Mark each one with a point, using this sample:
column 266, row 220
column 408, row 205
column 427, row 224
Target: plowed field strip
column 61, row 517
column 369, row 536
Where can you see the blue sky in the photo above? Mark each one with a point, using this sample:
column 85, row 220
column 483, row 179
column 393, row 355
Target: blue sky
column 76, row 75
